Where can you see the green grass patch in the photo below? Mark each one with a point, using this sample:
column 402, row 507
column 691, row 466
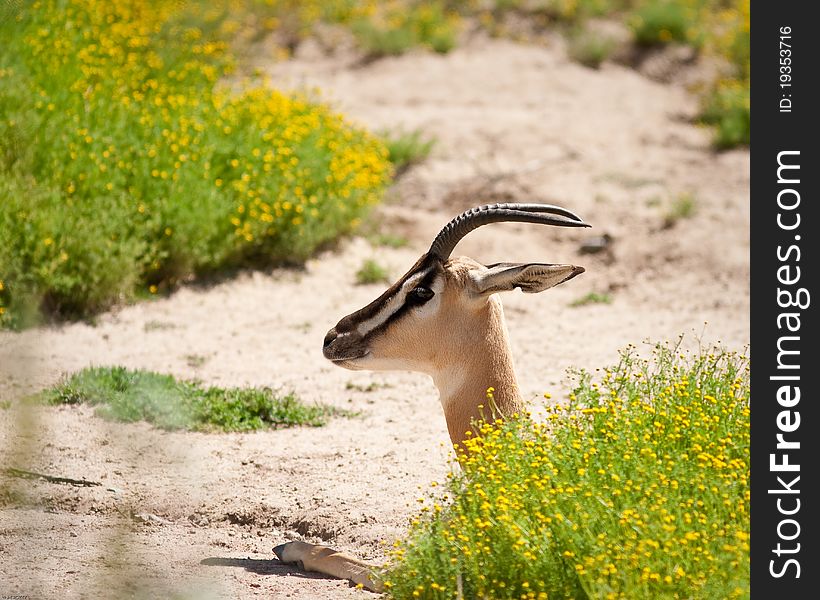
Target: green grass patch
column 372, row 272
column 127, row 395
column 127, row 166
column 406, row 148
column 592, row 298
column 638, row 487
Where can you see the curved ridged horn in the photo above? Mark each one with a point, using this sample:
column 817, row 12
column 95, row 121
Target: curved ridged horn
column 464, row 223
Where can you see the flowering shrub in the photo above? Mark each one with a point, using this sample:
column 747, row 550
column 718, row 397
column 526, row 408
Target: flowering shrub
column 126, row 165
column 638, row 488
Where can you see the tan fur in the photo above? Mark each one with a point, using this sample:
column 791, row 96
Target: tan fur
column 483, row 362
column 471, row 352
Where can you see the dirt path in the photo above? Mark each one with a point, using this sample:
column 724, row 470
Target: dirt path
column 513, row 123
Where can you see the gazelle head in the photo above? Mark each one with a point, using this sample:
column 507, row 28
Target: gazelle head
column 443, row 305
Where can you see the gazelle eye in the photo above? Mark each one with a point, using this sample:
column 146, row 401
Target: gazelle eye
column 421, row 294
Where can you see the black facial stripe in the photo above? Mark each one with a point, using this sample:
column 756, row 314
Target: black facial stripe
column 408, row 305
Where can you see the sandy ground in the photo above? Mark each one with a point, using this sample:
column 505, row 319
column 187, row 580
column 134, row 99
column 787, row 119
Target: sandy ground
column 198, row 514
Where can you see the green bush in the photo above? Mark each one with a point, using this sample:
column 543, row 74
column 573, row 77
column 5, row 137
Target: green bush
column 126, row 165
column 70, row 261
column 638, row 488
column 661, row 22
column 728, row 108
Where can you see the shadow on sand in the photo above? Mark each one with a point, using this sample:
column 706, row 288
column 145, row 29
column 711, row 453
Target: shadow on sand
column 263, row 567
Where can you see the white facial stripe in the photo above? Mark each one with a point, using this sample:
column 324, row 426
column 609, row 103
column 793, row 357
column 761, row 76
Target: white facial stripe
column 391, row 306
column 395, row 302
column 431, row 306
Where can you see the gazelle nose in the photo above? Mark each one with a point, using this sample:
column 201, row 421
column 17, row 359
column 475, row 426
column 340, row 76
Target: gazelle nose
column 330, row 337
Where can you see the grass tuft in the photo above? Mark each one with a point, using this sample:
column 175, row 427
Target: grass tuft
column 127, row 395
column 592, row 298
column 589, row 48
column 682, row 207
column 372, row 272
column 638, row 487
column 406, row 148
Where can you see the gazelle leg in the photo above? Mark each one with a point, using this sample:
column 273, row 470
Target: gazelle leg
column 328, row 561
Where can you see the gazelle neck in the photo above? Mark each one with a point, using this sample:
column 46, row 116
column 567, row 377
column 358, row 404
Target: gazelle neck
column 484, row 361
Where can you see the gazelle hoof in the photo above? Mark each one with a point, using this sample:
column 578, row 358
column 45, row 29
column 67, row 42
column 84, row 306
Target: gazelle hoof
column 279, row 551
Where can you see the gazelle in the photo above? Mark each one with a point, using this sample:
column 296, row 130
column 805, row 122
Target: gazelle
column 442, row 318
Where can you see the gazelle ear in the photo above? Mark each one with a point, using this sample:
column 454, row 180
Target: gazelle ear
column 530, row 277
